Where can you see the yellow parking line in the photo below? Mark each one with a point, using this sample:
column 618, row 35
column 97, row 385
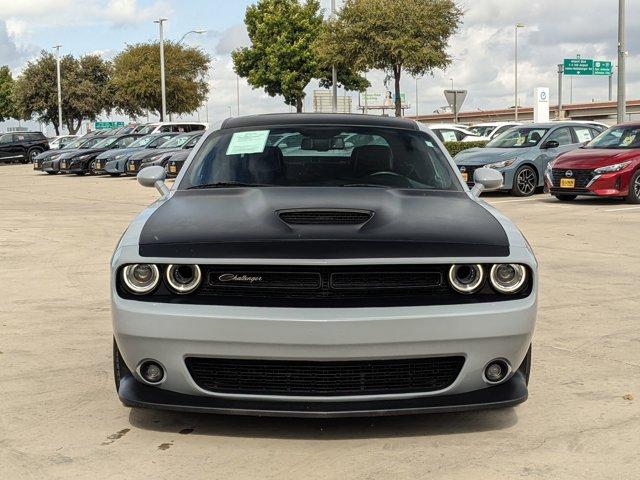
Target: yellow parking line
column 621, row 209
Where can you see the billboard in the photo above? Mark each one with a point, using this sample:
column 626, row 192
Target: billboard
column 381, row 99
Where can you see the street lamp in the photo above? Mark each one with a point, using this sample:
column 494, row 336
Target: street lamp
column 622, row 53
column 163, row 89
column 57, row 48
column 517, row 26
column 198, row 32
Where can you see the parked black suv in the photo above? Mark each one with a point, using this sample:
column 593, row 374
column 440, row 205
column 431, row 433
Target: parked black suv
column 22, row 146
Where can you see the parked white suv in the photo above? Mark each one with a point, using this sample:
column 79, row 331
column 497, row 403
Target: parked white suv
column 490, row 130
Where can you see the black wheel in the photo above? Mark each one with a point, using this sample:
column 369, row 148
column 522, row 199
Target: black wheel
column 32, row 154
column 525, row 366
column 52, row 173
column 120, row 368
column 565, row 197
column 525, row 181
column 92, row 168
column 634, row 188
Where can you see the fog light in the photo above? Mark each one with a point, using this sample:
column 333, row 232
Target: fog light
column 496, row 371
column 151, row 371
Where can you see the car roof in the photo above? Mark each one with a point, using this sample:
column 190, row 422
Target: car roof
column 547, row 125
column 334, row 119
column 495, row 124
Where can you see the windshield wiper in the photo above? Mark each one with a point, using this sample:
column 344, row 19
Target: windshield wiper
column 226, row 185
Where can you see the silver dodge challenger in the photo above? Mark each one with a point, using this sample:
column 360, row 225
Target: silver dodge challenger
column 346, row 271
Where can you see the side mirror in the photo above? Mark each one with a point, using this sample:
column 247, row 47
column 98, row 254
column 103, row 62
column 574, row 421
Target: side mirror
column 550, row 144
column 486, row 180
column 154, row 177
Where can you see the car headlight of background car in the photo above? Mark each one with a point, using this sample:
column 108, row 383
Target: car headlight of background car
column 502, row 164
column 612, row 168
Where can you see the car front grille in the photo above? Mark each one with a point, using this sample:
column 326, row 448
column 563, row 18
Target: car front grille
column 582, row 177
column 316, row 378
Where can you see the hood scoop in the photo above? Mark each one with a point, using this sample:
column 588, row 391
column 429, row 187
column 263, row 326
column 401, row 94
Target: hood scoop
column 324, row 216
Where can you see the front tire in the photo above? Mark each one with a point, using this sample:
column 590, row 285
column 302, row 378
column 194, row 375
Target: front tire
column 31, row 155
column 525, row 181
column 634, row 189
column 566, row 198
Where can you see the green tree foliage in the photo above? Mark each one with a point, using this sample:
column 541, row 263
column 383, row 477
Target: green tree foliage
column 456, row 147
column 136, row 79
column 7, row 107
column 409, row 35
column 84, row 83
column 283, row 57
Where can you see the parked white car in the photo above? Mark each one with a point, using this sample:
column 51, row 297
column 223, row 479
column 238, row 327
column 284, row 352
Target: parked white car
column 56, row 143
column 451, row 132
column 490, row 130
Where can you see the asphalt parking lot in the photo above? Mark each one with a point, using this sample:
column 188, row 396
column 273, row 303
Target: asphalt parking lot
column 60, row 416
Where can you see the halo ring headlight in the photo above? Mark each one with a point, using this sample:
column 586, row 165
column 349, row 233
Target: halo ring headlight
column 508, row 277
column 466, row 278
column 183, row 279
column 140, row 278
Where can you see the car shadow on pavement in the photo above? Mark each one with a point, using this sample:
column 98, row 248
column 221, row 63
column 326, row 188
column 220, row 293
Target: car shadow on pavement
column 323, row 429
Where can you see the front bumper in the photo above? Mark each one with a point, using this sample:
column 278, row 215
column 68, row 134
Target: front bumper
column 614, row 184
column 134, row 394
column 168, row 333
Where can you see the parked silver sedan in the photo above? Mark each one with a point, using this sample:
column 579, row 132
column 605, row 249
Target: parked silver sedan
column 522, row 153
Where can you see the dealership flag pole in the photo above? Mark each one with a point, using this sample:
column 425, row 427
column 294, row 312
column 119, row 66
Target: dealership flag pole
column 622, row 94
column 57, row 47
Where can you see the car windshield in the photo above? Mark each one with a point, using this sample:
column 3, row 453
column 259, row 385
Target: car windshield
column 89, row 143
column 617, row 137
column 147, row 129
column 75, row 143
column 482, row 131
column 518, row 138
column 176, row 142
column 141, row 142
column 315, row 156
column 6, row 138
column 192, row 143
column 106, row 142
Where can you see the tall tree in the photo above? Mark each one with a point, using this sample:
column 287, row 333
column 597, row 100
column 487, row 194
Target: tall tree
column 84, row 84
column 283, row 57
column 409, row 35
column 7, row 106
column 136, row 79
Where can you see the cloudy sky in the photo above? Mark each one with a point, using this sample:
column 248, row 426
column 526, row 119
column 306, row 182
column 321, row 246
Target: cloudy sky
column 483, row 49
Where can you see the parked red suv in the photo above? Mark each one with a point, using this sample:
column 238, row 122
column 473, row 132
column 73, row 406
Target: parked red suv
column 607, row 166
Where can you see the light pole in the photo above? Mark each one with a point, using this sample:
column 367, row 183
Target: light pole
column 451, row 83
column 334, row 71
column 517, row 26
column 198, row 32
column 163, row 89
column 57, row 48
column 417, row 112
column 622, row 53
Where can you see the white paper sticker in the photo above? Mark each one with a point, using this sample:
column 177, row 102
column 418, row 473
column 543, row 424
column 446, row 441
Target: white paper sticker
column 583, row 134
column 248, row 142
column 449, row 136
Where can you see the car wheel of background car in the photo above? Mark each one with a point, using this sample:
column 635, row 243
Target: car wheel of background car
column 31, row 155
column 120, row 368
column 525, row 367
column 566, row 198
column 92, row 168
column 52, row 173
column 634, row 188
column 525, row 181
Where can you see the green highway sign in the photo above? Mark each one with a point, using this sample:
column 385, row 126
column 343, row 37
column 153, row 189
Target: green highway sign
column 602, row 68
column 578, row 66
column 587, row 66
column 106, row 125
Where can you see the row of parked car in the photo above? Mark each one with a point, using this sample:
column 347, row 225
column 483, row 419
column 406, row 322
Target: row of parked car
column 568, row 159
column 124, row 151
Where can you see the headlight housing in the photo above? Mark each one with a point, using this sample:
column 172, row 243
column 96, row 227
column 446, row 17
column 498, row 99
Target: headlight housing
column 466, row 278
column 183, row 279
column 612, row 168
column 508, row 277
column 141, row 278
column 502, row 164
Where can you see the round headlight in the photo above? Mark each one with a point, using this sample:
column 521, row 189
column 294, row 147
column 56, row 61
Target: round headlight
column 141, row 278
column 183, row 278
column 508, row 277
column 466, row 278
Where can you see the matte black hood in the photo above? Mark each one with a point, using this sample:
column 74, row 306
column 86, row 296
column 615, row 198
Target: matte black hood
column 244, row 223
